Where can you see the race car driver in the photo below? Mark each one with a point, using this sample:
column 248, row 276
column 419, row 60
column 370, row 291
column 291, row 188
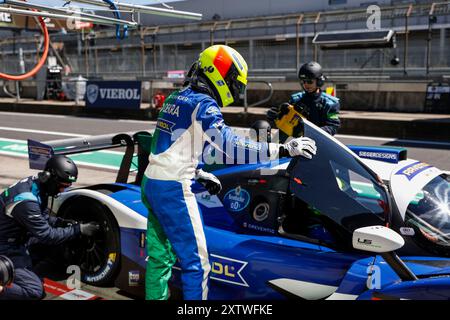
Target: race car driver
column 190, row 120
column 24, row 218
column 318, row 107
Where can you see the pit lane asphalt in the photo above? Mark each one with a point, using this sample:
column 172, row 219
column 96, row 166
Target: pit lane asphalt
column 49, row 127
column 42, row 127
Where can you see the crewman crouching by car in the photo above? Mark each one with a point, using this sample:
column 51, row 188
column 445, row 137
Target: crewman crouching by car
column 24, row 217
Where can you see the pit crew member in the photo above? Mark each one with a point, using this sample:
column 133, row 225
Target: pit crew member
column 314, row 104
column 24, row 218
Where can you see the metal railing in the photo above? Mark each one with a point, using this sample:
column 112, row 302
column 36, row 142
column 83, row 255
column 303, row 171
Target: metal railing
column 271, row 45
column 261, row 101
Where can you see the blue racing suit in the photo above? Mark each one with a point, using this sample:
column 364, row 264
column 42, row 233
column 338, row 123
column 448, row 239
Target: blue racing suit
column 24, row 218
column 187, row 123
column 320, row 108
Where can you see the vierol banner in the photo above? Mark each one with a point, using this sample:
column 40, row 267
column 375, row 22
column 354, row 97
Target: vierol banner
column 113, row 94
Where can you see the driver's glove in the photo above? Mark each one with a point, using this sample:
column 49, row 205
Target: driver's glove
column 277, row 112
column 89, row 228
column 209, row 181
column 304, row 147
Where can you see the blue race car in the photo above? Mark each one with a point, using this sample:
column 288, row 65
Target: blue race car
column 328, row 228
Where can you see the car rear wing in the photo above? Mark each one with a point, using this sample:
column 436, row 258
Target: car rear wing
column 40, row 152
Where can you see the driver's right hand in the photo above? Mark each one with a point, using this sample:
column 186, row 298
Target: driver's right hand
column 305, row 147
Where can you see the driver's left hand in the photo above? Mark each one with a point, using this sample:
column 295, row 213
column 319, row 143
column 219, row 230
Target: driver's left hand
column 209, row 181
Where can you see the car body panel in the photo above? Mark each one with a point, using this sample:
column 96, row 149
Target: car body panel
column 253, row 258
column 408, row 178
column 258, row 266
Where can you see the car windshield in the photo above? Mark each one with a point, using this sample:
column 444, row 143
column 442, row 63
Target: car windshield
column 337, row 184
column 429, row 214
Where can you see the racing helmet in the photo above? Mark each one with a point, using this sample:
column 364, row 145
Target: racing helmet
column 225, row 71
column 59, row 172
column 310, row 71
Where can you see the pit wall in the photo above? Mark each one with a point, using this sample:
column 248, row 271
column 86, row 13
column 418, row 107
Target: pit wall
column 364, row 96
column 390, row 96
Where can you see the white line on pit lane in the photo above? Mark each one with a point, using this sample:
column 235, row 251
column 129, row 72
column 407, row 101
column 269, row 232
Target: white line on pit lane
column 137, row 121
column 44, row 115
column 13, row 140
column 56, row 133
column 347, row 136
column 40, row 115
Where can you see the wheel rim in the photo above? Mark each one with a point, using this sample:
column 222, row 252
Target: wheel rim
column 91, row 254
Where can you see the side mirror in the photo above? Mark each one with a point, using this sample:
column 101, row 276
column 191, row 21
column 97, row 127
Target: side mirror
column 385, row 241
column 377, row 239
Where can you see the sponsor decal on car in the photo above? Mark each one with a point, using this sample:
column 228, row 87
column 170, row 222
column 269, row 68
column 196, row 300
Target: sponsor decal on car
column 412, row 170
column 258, row 228
column 236, row 199
column 407, row 231
column 142, row 238
column 227, row 270
column 133, row 278
column 379, row 155
column 368, row 242
column 207, row 200
column 38, row 154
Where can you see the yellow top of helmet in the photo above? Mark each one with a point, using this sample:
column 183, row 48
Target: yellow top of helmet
column 227, row 71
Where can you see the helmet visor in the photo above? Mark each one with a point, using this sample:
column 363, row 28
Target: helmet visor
column 236, row 83
column 238, row 90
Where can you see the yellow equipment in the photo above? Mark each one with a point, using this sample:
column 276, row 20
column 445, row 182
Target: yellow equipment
column 289, row 121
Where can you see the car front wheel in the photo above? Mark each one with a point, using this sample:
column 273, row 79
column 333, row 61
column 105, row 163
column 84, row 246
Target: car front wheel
column 98, row 257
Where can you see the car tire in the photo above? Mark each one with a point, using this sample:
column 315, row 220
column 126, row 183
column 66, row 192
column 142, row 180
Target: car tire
column 99, row 256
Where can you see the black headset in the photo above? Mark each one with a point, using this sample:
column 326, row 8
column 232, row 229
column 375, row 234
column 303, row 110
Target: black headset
column 44, row 176
column 321, row 80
